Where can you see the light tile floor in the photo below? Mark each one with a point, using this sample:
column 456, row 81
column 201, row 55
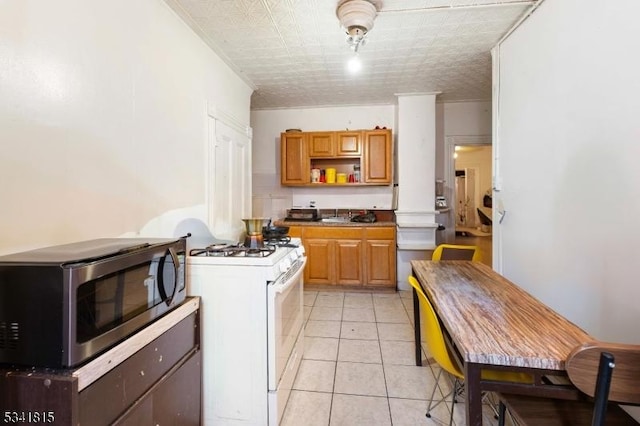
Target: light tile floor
column 359, row 368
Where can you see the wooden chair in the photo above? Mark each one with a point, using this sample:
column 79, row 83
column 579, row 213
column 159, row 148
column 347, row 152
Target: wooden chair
column 607, row 372
column 456, row 252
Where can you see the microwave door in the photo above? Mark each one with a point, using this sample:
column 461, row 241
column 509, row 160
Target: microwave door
column 168, row 276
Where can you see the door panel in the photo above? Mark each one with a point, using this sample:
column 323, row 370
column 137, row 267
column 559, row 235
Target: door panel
column 320, row 254
column 349, row 265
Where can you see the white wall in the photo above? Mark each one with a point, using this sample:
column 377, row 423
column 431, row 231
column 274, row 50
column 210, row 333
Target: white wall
column 103, row 121
column 567, row 143
column 471, row 118
column 272, row 200
column 467, row 118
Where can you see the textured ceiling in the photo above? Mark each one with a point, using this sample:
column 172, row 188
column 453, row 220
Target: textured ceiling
column 294, row 53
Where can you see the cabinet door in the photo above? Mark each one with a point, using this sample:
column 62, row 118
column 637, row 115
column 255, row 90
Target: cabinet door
column 320, row 259
column 322, row 144
column 349, row 262
column 295, row 231
column 294, row 162
column 178, row 400
column 377, row 156
column 349, row 144
column 381, row 263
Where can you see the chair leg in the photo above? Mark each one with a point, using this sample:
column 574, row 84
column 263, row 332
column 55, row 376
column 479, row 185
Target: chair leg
column 456, row 384
column 488, row 398
column 501, row 413
column 431, row 405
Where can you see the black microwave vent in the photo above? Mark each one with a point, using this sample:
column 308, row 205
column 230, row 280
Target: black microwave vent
column 9, row 335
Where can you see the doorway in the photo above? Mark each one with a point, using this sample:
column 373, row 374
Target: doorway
column 468, row 178
column 472, row 195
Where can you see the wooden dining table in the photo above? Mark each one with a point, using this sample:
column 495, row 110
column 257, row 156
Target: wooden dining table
column 491, row 323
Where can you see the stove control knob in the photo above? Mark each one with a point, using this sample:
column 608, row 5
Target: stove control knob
column 285, row 265
column 293, row 256
column 300, row 250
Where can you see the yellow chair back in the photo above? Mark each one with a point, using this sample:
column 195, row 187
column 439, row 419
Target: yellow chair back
column 432, row 333
column 457, row 252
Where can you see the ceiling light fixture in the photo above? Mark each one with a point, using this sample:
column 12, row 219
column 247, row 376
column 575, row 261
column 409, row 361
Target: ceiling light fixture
column 356, row 18
column 354, row 65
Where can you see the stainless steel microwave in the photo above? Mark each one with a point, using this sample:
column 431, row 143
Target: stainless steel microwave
column 61, row 306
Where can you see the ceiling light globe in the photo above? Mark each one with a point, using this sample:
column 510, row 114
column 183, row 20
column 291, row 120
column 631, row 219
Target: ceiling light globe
column 354, row 65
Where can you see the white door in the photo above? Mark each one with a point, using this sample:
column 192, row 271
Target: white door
column 229, row 180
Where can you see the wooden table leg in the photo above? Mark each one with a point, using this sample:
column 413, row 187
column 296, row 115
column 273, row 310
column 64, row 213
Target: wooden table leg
column 416, row 328
column 473, row 392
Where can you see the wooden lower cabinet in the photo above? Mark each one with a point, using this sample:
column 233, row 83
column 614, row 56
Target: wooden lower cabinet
column 145, row 380
column 320, row 255
column 350, row 256
column 348, row 262
column 381, row 262
column 380, row 255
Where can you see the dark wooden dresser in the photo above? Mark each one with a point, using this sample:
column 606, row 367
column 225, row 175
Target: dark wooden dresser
column 153, row 377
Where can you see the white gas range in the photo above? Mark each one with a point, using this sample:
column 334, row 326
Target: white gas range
column 252, row 329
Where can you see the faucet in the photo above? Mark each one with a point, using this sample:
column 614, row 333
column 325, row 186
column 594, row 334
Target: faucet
column 336, row 213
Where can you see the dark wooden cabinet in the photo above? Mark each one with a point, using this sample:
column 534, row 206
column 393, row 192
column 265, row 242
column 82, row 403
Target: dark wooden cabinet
column 153, row 377
column 174, row 399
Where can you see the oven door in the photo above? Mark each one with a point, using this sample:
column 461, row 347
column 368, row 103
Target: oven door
column 285, row 315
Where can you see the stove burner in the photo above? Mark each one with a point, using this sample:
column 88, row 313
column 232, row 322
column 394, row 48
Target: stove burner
column 227, row 250
column 284, row 241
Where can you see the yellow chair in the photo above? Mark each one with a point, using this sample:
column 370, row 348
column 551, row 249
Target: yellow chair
column 434, row 338
column 456, row 252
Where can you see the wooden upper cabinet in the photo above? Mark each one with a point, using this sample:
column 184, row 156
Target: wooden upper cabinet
column 369, row 150
column 348, row 144
column 322, row 144
column 377, row 156
column 293, row 158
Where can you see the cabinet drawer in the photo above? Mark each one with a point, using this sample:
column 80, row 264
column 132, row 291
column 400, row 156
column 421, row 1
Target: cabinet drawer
column 332, row 232
column 386, row 233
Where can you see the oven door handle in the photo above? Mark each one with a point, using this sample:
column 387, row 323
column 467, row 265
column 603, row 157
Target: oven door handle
column 293, row 279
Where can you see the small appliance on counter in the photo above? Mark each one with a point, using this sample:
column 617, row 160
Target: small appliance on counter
column 61, row 306
column 302, row 215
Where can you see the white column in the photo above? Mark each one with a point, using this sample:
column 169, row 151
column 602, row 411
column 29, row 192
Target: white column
column 415, row 214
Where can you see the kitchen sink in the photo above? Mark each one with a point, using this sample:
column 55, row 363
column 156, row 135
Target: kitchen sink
column 336, row 219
